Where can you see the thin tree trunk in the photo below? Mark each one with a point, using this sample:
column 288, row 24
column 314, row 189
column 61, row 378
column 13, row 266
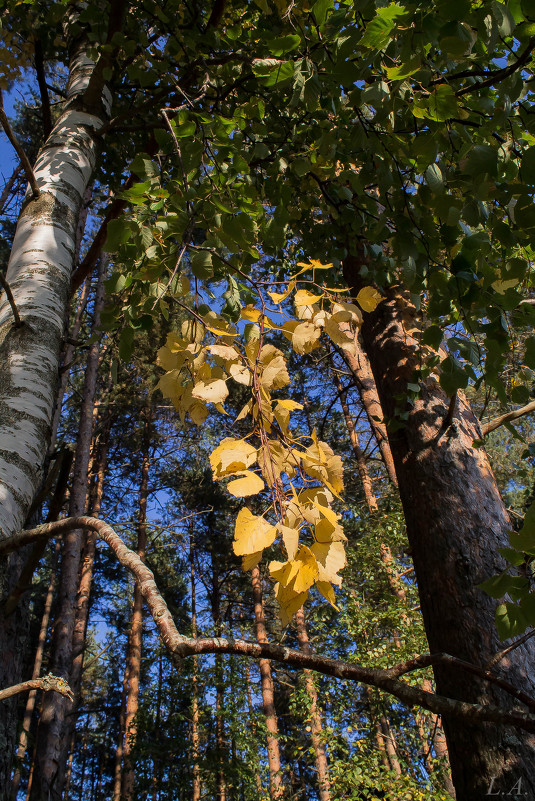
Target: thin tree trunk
column 390, row 745
column 30, row 703
column 41, row 289
column 266, row 679
column 258, row 778
column 54, row 730
column 316, row 728
column 195, row 739
column 359, row 366
column 440, row 746
column 456, row 520
column 215, row 599
column 374, row 724
column 133, row 655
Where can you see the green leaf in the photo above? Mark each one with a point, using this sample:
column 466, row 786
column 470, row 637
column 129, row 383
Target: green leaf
column 510, row 621
column 118, row 233
column 527, row 605
column 527, row 166
column 126, row 344
column 435, row 179
column 404, row 70
column 498, row 586
column 378, row 32
column 524, row 540
column 271, row 72
column 283, row 44
column 442, row 104
column 529, row 355
column 481, row 159
column 201, row 264
column 512, row 556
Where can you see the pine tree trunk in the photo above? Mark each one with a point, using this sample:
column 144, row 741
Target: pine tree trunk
column 258, row 778
column 456, row 521
column 215, row 601
column 440, row 746
column 390, row 745
column 56, row 720
column 135, row 639
column 30, row 703
column 195, row 737
column 41, row 289
column 316, row 728
column 268, row 699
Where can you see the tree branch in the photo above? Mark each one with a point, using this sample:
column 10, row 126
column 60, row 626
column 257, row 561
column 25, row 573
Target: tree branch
column 19, row 149
column 43, row 90
column 4, row 197
column 180, row 646
column 47, row 683
column 506, row 418
column 11, row 300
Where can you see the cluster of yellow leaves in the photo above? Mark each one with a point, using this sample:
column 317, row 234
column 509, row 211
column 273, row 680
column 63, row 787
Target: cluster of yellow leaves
column 197, row 374
column 15, row 55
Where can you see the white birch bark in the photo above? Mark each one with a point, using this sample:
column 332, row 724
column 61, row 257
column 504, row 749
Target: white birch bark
column 39, row 274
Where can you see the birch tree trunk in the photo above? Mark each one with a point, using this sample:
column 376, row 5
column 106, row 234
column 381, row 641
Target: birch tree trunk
column 456, row 521
column 39, row 274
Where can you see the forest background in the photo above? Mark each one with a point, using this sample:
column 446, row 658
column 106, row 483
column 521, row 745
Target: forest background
column 289, row 246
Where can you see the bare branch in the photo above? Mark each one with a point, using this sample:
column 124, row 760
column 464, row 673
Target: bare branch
column 11, row 300
column 19, row 149
column 4, row 197
column 180, row 646
column 506, row 418
column 47, row 683
column 500, row 655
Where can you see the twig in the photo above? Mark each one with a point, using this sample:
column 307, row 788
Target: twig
column 19, row 149
column 4, row 197
column 506, row 418
column 47, row 683
column 446, row 423
column 180, row 646
column 500, row 655
column 11, row 300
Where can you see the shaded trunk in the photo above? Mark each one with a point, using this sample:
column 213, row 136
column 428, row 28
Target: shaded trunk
column 316, row 728
column 390, row 745
column 135, row 638
column 268, row 700
column 195, row 738
column 456, row 520
column 30, row 703
column 54, row 729
column 258, row 779
column 438, row 741
column 215, row 599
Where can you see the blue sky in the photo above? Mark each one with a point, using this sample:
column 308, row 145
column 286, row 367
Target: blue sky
column 8, row 157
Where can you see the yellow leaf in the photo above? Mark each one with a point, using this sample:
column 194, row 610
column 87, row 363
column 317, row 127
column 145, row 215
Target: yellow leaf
column 290, row 538
column 274, row 374
column 231, row 456
column 289, row 602
column 331, row 557
column 305, row 298
column 242, row 374
column 198, row 413
column 226, row 352
column 353, row 312
column 278, row 297
column 284, row 572
column 321, row 463
column 249, row 484
column 325, row 531
column 327, row 591
column 245, row 411
column 305, row 338
column 271, row 458
column 193, row 331
column 313, row 265
column 338, row 332
column 291, row 405
column 170, row 384
column 308, row 570
column 251, row 560
column 369, row 298
column 218, row 325
column 250, row 313
column 213, row 390
column 252, row 533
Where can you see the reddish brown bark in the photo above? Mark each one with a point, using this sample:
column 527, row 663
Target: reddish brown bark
column 195, row 737
column 53, row 729
column 268, row 697
column 456, row 520
column 135, row 638
column 215, row 601
column 254, row 729
column 390, row 745
column 438, row 742
column 360, row 368
column 30, row 703
column 316, row 728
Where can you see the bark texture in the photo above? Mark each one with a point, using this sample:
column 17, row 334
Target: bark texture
column 456, row 521
column 268, row 698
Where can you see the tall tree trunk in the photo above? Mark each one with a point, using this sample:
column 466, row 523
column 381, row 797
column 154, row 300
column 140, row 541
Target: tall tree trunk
column 360, row 368
column 54, row 729
column 374, row 725
column 195, row 737
column 41, row 289
column 215, row 600
column 268, row 700
column 316, row 728
column 30, row 703
column 390, row 744
column 254, row 729
column 135, row 639
column 439, row 744
column 456, row 520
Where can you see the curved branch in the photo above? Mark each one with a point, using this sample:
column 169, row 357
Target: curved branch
column 4, row 122
column 46, row 683
column 179, row 646
column 506, row 418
